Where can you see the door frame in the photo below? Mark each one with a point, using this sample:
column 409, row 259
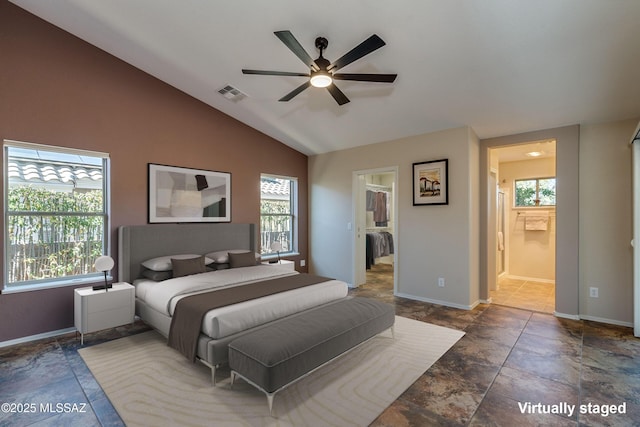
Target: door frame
column 567, row 226
column 359, row 223
column 635, row 147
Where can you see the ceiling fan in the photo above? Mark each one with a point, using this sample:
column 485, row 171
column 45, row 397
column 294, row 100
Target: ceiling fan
column 323, row 72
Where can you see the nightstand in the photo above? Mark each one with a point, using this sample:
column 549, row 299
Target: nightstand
column 97, row 310
column 291, row 265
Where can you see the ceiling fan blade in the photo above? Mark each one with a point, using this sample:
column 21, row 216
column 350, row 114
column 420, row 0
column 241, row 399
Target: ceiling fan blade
column 366, row 47
column 274, row 73
column 290, row 41
column 294, row 92
column 337, row 94
column 380, row 78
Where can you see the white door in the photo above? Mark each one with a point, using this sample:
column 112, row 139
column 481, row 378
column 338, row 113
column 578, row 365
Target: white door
column 636, row 233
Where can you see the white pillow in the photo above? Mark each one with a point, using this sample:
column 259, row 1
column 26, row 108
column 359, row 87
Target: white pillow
column 163, row 263
column 222, row 257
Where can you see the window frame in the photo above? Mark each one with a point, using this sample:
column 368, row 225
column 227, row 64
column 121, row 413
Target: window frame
column 70, row 280
column 537, row 194
column 293, row 200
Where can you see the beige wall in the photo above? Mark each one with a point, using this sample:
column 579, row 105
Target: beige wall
column 58, row 90
column 606, row 257
column 432, row 241
column 532, row 254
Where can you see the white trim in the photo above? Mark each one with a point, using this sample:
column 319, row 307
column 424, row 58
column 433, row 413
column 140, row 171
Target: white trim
column 355, row 209
column 530, row 279
column 609, row 321
column 15, row 289
column 635, row 185
column 36, row 337
column 438, row 302
column 65, row 150
column 566, row 316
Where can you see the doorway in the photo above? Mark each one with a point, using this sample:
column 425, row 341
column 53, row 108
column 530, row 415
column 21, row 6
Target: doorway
column 522, row 221
column 375, row 237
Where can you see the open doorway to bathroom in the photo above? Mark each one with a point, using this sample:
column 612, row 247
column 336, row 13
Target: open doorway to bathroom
column 523, row 207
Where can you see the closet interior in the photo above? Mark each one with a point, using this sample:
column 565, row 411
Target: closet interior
column 379, row 228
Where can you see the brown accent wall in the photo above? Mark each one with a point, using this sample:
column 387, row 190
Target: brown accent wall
column 56, row 89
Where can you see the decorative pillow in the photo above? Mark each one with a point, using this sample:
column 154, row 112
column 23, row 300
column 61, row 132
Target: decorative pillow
column 246, row 259
column 158, row 276
column 222, row 257
column 163, row 263
column 186, row 267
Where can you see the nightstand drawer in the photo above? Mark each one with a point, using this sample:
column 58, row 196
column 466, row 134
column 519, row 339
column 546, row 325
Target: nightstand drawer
column 109, row 319
column 109, row 300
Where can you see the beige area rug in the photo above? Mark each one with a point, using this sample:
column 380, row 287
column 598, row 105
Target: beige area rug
column 151, row 384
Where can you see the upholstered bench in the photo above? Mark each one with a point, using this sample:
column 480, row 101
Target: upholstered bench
column 279, row 354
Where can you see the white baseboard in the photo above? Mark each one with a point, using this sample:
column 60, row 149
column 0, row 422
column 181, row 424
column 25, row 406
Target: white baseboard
column 566, row 316
column 434, row 301
column 36, row 337
column 609, row 321
column 530, row 279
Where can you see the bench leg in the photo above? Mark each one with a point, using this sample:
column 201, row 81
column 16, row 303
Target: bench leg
column 270, row 396
column 270, row 402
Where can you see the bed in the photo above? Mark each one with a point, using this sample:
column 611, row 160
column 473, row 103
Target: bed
column 157, row 300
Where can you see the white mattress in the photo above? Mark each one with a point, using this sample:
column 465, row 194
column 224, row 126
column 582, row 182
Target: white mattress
column 231, row 319
column 224, row 321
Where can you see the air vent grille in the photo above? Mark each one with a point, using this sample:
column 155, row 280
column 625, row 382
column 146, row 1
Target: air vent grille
column 232, row 93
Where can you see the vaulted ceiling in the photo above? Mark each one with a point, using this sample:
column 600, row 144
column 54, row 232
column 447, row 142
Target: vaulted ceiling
column 499, row 66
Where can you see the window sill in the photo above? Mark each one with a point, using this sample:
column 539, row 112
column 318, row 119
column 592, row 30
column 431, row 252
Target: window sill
column 267, row 257
column 53, row 285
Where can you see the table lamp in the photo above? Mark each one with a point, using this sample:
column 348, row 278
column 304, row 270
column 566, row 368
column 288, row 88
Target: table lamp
column 103, row 263
column 276, row 247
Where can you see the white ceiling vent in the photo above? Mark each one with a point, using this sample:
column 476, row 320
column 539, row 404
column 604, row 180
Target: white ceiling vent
column 231, row 93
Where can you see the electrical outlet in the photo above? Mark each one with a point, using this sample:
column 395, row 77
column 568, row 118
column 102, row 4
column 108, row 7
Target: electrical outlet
column 302, row 263
column 441, row 282
column 593, row 292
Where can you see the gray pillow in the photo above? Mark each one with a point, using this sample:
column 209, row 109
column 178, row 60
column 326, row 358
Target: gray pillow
column 158, row 276
column 222, row 257
column 246, row 259
column 186, row 267
column 163, row 263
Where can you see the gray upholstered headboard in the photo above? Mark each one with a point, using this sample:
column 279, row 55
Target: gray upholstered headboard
column 138, row 243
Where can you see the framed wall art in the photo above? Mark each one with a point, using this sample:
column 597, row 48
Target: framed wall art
column 179, row 194
column 431, row 183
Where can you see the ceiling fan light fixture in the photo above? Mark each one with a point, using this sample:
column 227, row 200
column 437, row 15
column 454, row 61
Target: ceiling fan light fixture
column 321, row 79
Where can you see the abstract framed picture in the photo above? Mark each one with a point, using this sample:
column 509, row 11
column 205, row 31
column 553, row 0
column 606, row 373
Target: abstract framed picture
column 431, row 183
column 179, row 194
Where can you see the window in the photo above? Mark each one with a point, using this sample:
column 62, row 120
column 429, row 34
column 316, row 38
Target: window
column 535, row 192
column 56, row 214
column 278, row 210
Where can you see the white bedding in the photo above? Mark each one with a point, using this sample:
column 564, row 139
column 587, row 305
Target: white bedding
column 163, row 297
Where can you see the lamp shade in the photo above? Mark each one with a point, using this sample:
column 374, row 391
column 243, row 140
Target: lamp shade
column 276, row 247
column 104, row 263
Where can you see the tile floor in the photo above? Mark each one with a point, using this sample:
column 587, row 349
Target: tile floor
column 508, row 357
column 526, row 294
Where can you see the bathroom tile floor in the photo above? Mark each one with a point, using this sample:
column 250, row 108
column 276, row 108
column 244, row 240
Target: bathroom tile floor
column 526, row 294
column 509, row 361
